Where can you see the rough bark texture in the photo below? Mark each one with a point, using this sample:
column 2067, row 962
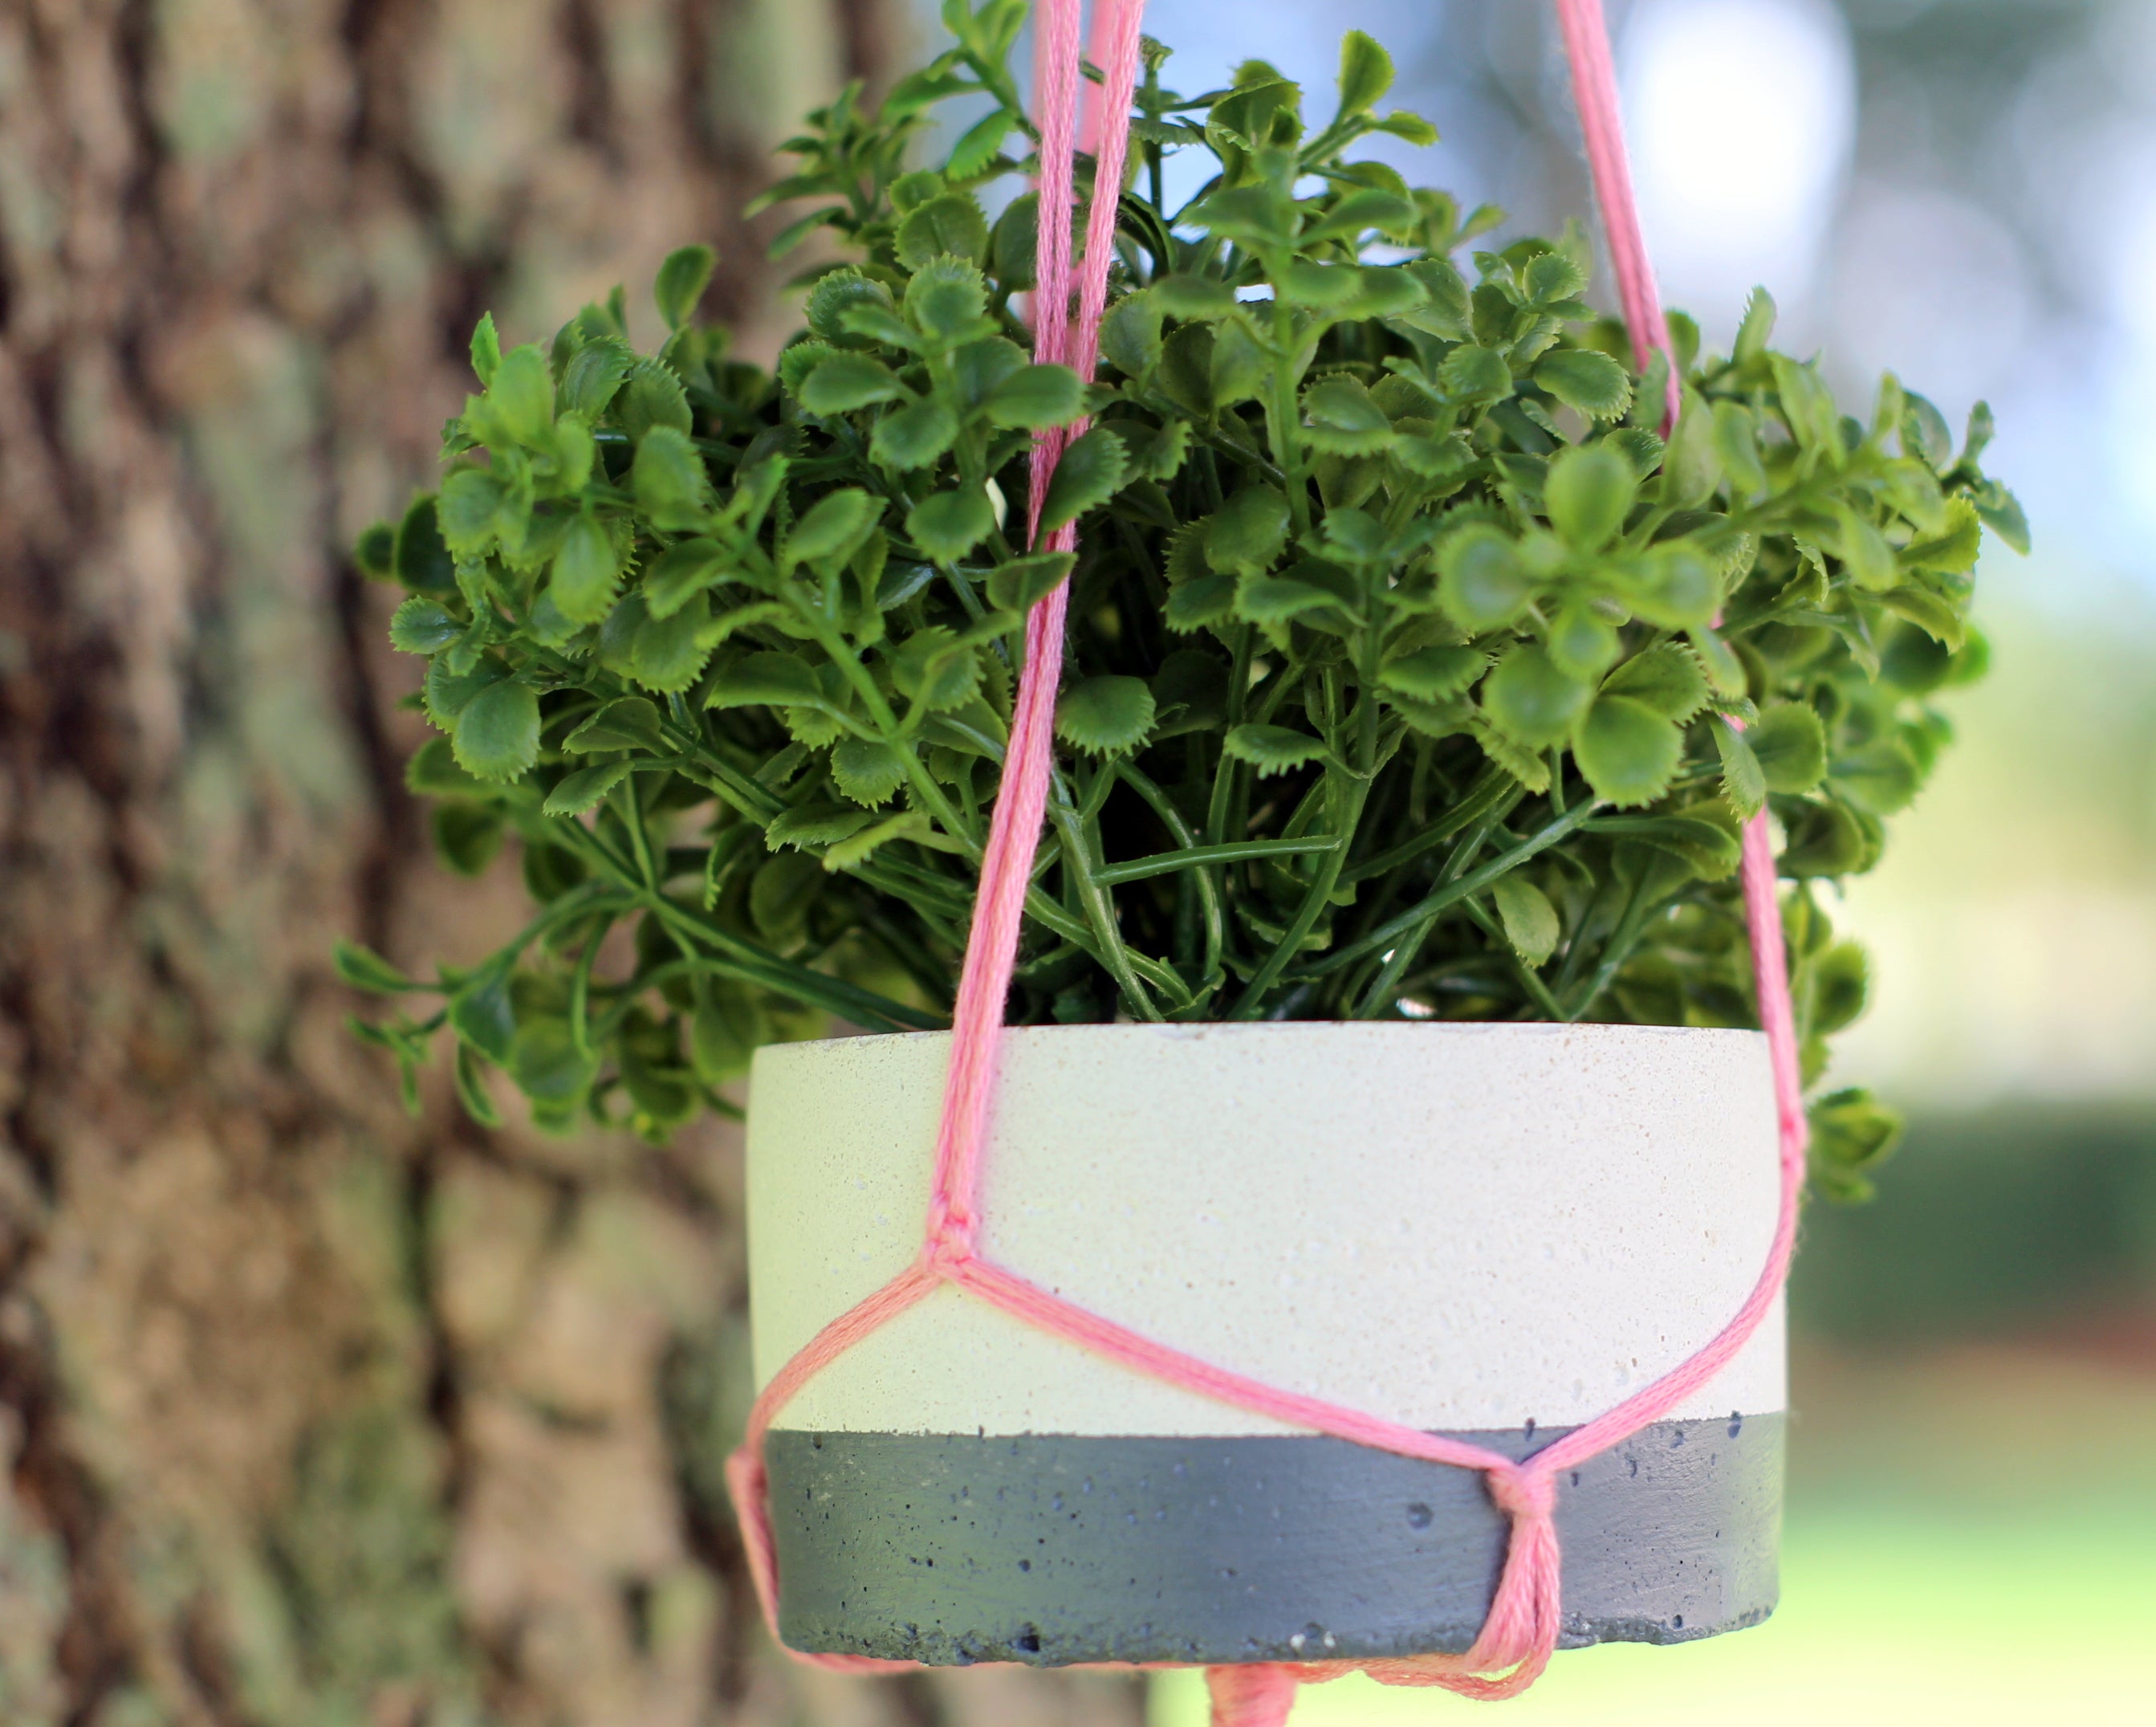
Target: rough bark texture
column 313, row 1413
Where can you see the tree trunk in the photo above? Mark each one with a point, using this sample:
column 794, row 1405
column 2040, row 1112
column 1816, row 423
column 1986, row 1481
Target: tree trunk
column 318, row 1414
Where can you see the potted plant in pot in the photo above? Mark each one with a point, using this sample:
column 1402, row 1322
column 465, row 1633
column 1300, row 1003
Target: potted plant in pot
column 1383, row 1015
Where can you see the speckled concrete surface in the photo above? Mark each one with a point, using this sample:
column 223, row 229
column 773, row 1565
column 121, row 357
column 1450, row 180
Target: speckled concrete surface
column 1053, row 1549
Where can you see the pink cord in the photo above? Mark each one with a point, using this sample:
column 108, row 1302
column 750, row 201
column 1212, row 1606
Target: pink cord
column 1522, row 1628
column 1594, row 90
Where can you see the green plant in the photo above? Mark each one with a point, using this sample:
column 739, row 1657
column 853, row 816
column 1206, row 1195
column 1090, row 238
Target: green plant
column 1401, row 650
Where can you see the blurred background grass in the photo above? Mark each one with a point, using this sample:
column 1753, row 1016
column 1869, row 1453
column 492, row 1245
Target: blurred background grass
column 1962, row 189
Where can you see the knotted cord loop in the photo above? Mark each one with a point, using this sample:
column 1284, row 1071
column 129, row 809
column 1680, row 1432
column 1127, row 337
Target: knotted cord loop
column 1522, row 1626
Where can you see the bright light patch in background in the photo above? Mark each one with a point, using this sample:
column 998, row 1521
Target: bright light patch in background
column 1741, row 114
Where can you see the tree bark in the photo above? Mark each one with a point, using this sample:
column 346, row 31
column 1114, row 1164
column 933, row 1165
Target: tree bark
column 315, row 1413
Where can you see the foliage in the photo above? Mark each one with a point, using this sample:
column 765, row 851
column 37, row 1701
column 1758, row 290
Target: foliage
column 1403, row 650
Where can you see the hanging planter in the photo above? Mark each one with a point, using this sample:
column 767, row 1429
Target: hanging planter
column 1365, row 1249
column 1495, row 1231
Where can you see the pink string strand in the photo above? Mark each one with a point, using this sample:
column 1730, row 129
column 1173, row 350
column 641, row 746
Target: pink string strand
column 1601, row 120
column 1521, row 1629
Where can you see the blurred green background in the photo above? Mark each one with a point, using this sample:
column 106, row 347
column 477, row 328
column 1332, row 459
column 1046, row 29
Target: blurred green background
column 1961, row 189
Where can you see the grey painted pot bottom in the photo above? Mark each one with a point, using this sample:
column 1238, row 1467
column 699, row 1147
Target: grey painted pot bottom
column 1053, row 1549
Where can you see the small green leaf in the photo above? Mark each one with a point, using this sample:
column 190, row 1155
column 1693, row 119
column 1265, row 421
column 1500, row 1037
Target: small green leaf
column 1725, row 671
column 1530, row 767
column 679, row 572
column 447, row 693
column 1276, row 599
column 1789, row 744
column 1472, row 375
column 1198, row 602
column 630, row 724
column 947, row 525
column 915, row 435
column 1237, row 368
column 1675, row 586
column 1851, row 1132
column 485, row 349
column 1826, row 839
column 856, row 849
column 1434, row 674
column 587, row 571
column 765, row 680
column 653, row 396
column 1530, row 700
column 1248, row 533
column 1412, row 128
column 468, row 511
column 1743, row 781
column 1366, row 73
column 433, row 773
column 1088, row 473
column 1667, row 678
column 724, row 1035
column 546, row 1062
column 1024, row 583
column 936, row 671
column 583, row 789
column 668, row 475
column 945, row 301
column 1882, row 777
column 1530, row 920
column 974, row 151
column 1272, row 749
column 1036, row 398
column 1588, row 493
column 364, row 969
column 1840, row 982
column 522, row 394
column 834, row 528
column 1869, row 558
column 1193, row 299
column 1130, row 334
column 682, row 279
column 1481, row 580
column 2002, row 513
column 1758, row 327
column 1104, row 716
column 1703, row 835
column 1628, row 751
column 667, row 654
column 840, row 292
column 867, row 769
column 845, row 382
column 1691, row 469
column 1593, row 383
column 818, row 824
column 1582, row 641
column 497, row 737
column 981, row 366
column 471, row 1089
column 951, row 224
column 1736, row 442
column 594, row 374
column 421, row 626
column 1342, row 419
column 421, row 560
column 1950, row 553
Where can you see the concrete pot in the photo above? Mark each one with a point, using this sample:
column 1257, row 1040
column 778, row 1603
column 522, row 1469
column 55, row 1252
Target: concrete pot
column 1493, row 1231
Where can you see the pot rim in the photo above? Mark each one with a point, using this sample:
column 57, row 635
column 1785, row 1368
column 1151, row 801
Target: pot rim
column 1197, row 1030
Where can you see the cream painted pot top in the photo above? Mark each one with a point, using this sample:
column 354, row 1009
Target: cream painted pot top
column 1453, row 1226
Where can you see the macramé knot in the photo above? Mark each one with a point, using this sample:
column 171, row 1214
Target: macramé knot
column 949, row 1248
column 1523, row 1493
